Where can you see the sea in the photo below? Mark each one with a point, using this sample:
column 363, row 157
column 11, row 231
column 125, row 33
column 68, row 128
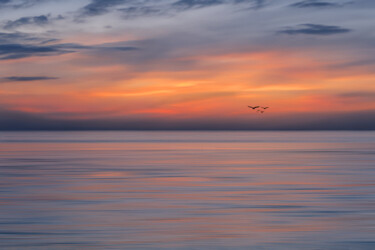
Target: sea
column 185, row 190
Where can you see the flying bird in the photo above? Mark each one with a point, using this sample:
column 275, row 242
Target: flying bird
column 254, row 107
column 259, row 109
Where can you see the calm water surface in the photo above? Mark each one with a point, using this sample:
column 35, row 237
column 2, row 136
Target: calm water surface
column 187, row 190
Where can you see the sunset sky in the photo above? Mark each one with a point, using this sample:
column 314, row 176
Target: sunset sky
column 187, row 64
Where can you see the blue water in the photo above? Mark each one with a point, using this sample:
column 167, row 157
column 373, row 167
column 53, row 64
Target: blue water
column 187, row 190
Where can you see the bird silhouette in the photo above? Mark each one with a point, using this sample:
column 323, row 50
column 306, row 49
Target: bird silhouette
column 265, row 107
column 260, row 111
column 255, row 107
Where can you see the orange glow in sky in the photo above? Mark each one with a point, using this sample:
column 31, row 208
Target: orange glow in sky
column 93, row 67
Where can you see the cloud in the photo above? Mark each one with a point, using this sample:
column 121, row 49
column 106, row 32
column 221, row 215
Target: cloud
column 314, row 4
column 4, row 1
column 17, row 51
column 17, row 4
column 196, row 4
column 118, row 48
column 98, row 7
column 36, row 20
column 191, row 4
column 314, row 29
column 141, row 11
column 166, row 8
column 134, row 9
column 256, row 4
column 9, row 37
column 28, row 78
column 129, row 8
column 188, row 4
column 25, row 38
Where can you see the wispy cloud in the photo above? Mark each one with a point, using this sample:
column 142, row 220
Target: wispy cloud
column 19, row 3
column 4, row 1
column 98, row 7
column 18, row 37
column 187, row 4
column 314, row 29
column 314, row 4
column 35, row 20
column 17, row 51
column 141, row 11
column 132, row 8
column 28, row 78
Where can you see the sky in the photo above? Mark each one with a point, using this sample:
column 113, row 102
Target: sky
column 187, row 64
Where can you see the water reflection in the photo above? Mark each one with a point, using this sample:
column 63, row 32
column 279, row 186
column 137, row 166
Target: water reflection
column 187, row 190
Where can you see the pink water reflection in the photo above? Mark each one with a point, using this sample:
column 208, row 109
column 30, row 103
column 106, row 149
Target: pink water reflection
column 187, row 190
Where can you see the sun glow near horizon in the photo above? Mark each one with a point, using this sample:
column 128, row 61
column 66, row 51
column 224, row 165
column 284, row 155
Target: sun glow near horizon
column 156, row 70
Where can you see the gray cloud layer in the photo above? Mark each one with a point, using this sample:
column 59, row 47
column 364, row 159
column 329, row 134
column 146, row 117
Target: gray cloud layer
column 97, row 7
column 136, row 8
column 36, row 20
column 314, row 4
column 28, row 78
column 18, row 51
column 315, row 29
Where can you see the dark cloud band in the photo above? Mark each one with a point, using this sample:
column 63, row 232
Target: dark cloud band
column 18, row 51
column 314, row 4
column 36, row 20
column 314, row 29
column 133, row 8
column 28, row 78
